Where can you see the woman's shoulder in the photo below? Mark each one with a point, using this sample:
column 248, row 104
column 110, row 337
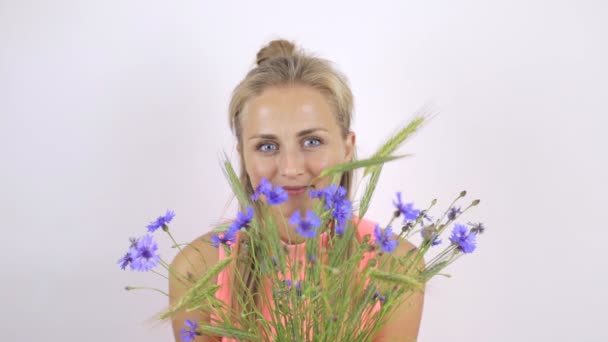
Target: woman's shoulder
column 196, row 257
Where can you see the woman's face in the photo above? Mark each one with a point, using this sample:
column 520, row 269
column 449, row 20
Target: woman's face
column 290, row 135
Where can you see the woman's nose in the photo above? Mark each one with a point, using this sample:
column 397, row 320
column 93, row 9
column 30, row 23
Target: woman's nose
column 291, row 163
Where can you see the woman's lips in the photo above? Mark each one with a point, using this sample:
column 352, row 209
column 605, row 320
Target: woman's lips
column 295, row 190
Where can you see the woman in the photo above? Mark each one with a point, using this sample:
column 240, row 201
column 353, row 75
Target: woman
column 291, row 116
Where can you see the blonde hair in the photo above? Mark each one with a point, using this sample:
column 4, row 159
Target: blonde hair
column 280, row 63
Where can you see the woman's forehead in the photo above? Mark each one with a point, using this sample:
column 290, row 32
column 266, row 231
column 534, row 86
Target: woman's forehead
column 290, row 109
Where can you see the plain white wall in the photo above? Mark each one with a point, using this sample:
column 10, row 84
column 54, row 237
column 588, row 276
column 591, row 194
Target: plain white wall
column 113, row 111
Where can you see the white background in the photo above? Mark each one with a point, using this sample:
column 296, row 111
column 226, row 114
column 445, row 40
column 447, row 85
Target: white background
column 113, row 111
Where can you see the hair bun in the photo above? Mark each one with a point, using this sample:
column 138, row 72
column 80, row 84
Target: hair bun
column 276, row 48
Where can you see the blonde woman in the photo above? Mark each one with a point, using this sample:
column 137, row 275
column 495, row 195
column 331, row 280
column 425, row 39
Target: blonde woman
column 291, row 117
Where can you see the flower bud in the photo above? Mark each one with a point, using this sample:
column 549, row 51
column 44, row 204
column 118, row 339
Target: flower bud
column 396, row 213
column 405, row 228
column 463, row 193
column 475, row 202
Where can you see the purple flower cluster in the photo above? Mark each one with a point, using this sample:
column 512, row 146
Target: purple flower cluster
column 228, row 238
column 161, row 221
column 335, row 201
column 384, row 239
column 142, row 254
column 305, row 226
column 274, row 195
column 463, row 239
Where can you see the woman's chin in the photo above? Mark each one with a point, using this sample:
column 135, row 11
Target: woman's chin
column 292, row 205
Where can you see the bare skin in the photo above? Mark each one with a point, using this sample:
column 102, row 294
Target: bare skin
column 290, row 135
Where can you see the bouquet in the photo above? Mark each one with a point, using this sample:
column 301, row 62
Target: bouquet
column 342, row 286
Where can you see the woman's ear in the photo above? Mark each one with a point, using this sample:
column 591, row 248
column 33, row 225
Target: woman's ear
column 349, row 144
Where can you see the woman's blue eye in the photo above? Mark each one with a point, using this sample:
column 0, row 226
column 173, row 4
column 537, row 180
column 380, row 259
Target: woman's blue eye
column 312, row 142
column 267, row 147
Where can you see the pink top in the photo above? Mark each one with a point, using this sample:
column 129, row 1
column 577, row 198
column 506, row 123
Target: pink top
column 296, row 252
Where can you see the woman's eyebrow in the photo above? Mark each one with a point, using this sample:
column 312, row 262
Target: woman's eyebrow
column 310, row 130
column 300, row 134
column 263, row 136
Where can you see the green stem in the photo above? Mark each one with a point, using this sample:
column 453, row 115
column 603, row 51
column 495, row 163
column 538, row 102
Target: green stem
column 160, row 274
column 129, row 288
column 179, row 248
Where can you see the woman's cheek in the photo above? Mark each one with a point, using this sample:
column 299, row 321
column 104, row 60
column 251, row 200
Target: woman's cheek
column 320, row 164
column 258, row 169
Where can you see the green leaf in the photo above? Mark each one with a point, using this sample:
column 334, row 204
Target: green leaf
column 434, row 270
column 396, row 278
column 235, row 183
column 199, row 289
column 374, row 161
column 395, row 141
column 369, row 191
column 238, row 334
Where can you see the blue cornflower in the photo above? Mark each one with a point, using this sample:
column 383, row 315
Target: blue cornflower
column 189, row 333
column 407, row 210
column 463, row 239
column 161, row 221
column 126, row 260
column 143, row 255
column 341, row 213
column 333, row 194
column 242, row 219
column 453, row 212
column 262, row 189
column 305, row 227
column 315, row 193
column 276, row 195
column 336, row 202
column 383, row 239
column 227, row 238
